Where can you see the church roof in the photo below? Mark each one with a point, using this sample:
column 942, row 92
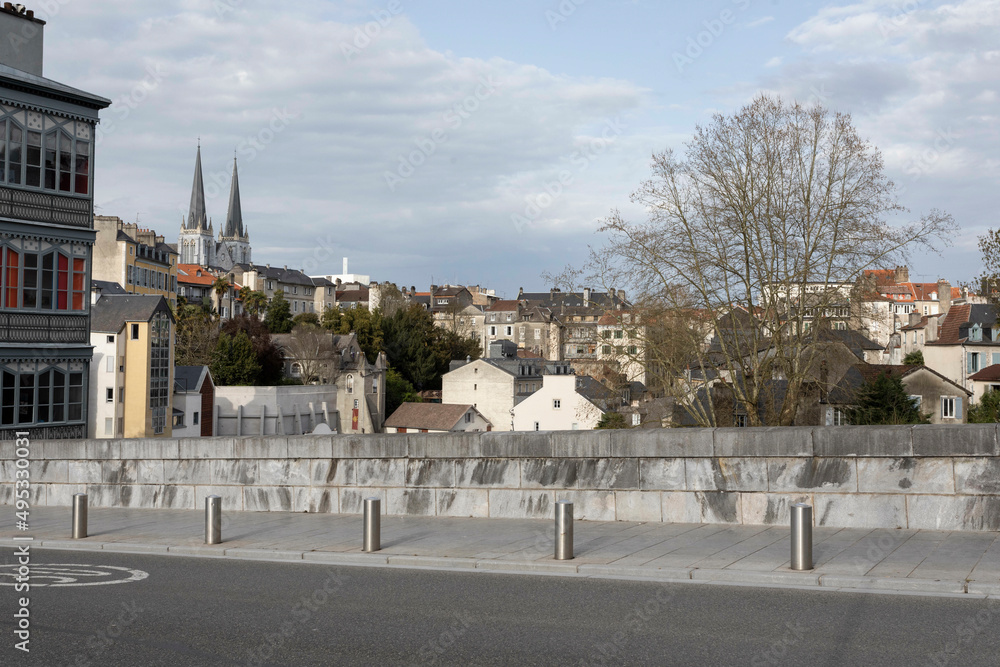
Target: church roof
column 196, row 214
column 234, row 218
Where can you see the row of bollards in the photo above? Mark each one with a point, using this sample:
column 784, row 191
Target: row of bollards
column 801, row 537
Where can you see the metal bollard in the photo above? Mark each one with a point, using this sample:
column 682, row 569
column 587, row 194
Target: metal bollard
column 79, row 516
column 802, row 537
column 564, row 530
column 213, row 520
column 373, row 525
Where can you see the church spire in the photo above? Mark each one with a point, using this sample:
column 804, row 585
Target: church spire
column 196, row 214
column 234, row 218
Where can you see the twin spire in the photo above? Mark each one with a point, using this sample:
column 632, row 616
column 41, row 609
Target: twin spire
column 197, row 216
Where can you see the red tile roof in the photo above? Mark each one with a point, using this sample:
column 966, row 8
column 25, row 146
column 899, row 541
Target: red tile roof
column 429, row 416
column 988, row 374
column 956, row 317
column 189, row 274
column 503, row 305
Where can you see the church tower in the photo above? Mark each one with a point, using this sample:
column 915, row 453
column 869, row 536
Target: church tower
column 234, row 237
column 195, row 243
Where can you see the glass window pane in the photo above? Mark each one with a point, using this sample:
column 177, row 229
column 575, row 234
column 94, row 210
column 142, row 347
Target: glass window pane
column 82, row 167
column 48, row 280
column 14, row 166
column 33, row 157
column 65, row 162
column 50, row 160
column 3, row 148
column 63, row 282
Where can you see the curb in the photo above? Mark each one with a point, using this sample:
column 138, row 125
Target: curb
column 810, row 580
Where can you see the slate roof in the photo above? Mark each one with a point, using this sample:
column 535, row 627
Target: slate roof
column 196, row 211
column 954, row 327
column 504, row 305
column 602, row 300
column 858, row 374
column 430, row 416
column 107, row 287
column 50, row 88
column 988, row 374
column 282, row 275
column 186, row 377
column 234, row 216
column 112, row 311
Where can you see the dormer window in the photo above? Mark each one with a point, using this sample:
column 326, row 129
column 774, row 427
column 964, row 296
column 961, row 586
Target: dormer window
column 976, row 333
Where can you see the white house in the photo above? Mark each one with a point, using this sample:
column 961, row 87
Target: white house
column 564, row 403
column 436, row 418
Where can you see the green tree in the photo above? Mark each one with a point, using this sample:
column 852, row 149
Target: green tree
column 398, row 390
column 612, row 420
column 987, row 410
column 883, row 401
column 279, row 314
column 915, row 358
column 220, row 287
column 311, row 319
column 254, row 302
column 268, row 354
column 234, row 361
column 195, row 335
column 365, row 324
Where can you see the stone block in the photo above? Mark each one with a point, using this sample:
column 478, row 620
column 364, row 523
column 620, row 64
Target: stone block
column 7, row 449
column 719, row 506
column 977, row 476
column 430, row 472
column 581, row 444
column 680, row 507
column 516, row 504
column 232, row 497
column 764, row 441
column 266, row 447
column 443, row 445
column 515, row 444
column 859, row 510
column 39, row 471
column 319, row 500
column 149, row 472
column 144, row 496
column 103, row 495
column 728, row 474
column 906, row 475
column 870, row 441
column 271, row 472
column 370, row 446
column 181, row 497
column 463, row 502
column 492, row 473
column 667, row 442
column 662, row 474
column 638, row 506
column 413, row 502
column 607, row 473
column 310, row 446
column 103, row 449
column 770, row 509
column 953, row 512
column 118, row 472
column 149, row 448
column 266, row 499
column 206, row 448
column 380, row 472
column 59, row 449
column 61, row 495
column 814, row 475
column 592, row 505
column 85, row 472
column 549, row 473
column 239, row 471
column 332, row 472
column 187, row 471
column 955, row 440
column 352, row 499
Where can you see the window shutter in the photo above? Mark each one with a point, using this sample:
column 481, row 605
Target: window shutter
column 968, row 362
column 958, row 408
column 996, row 357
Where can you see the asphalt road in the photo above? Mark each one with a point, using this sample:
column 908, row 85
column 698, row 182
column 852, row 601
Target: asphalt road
column 191, row 611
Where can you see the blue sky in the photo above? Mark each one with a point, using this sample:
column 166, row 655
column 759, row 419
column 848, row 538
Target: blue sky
column 482, row 142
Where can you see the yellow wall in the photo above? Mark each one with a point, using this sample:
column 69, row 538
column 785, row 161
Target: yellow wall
column 138, row 414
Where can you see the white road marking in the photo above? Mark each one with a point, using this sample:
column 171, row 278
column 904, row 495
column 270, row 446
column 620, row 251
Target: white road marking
column 72, row 575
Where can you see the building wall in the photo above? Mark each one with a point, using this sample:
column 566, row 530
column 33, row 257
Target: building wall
column 918, row 477
column 100, row 380
column 932, row 389
column 574, row 412
column 483, row 386
column 284, row 409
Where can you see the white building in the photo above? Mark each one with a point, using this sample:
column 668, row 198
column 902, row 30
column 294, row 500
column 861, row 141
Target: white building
column 564, row 403
column 436, row 418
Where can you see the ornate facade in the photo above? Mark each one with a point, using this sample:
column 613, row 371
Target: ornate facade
column 196, row 243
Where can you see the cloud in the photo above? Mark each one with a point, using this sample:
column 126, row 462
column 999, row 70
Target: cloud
column 347, row 124
column 773, row 62
column 759, row 22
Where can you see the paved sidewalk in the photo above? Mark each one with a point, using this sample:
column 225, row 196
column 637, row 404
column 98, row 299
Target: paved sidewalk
column 925, row 562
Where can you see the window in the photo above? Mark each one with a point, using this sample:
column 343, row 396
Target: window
column 636, row 419
column 52, row 396
column 159, row 371
column 128, row 274
column 575, row 426
column 110, row 366
column 350, row 384
column 917, row 400
column 840, row 326
column 109, row 424
column 194, row 419
column 947, row 407
column 493, row 331
column 121, row 392
column 633, row 350
column 556, row 403
column 109, row 394
column 925, row 310
column 135, row 332
column 741, row 421
column 296, row 370
column 493, row 317
column 468, row 417
column 509, row 317
column 605, row 349
column 374, row 384
column 111, row 339
column 538, row 334
column 536, row 426
column 974, row 362
column 508, row 331
column 47, row 280
column 618, row 333
column 839, row 418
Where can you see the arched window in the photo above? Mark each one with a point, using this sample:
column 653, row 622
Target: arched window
column 296, row 370
column 350, row 384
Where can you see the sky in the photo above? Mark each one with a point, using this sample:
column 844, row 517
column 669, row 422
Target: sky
column 482, row 143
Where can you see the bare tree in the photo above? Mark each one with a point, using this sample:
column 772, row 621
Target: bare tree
column 311, row 347
column 767, row 213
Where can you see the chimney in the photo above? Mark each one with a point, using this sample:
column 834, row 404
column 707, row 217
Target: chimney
column 345, row 266
column 520, row 293
column 586, row 297
column 915, row 318
column 22, row 46
column 433, row 289
column 902, row 275
column 944, row 295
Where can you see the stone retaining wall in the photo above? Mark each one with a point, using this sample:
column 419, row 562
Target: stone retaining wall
column 931, row 477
